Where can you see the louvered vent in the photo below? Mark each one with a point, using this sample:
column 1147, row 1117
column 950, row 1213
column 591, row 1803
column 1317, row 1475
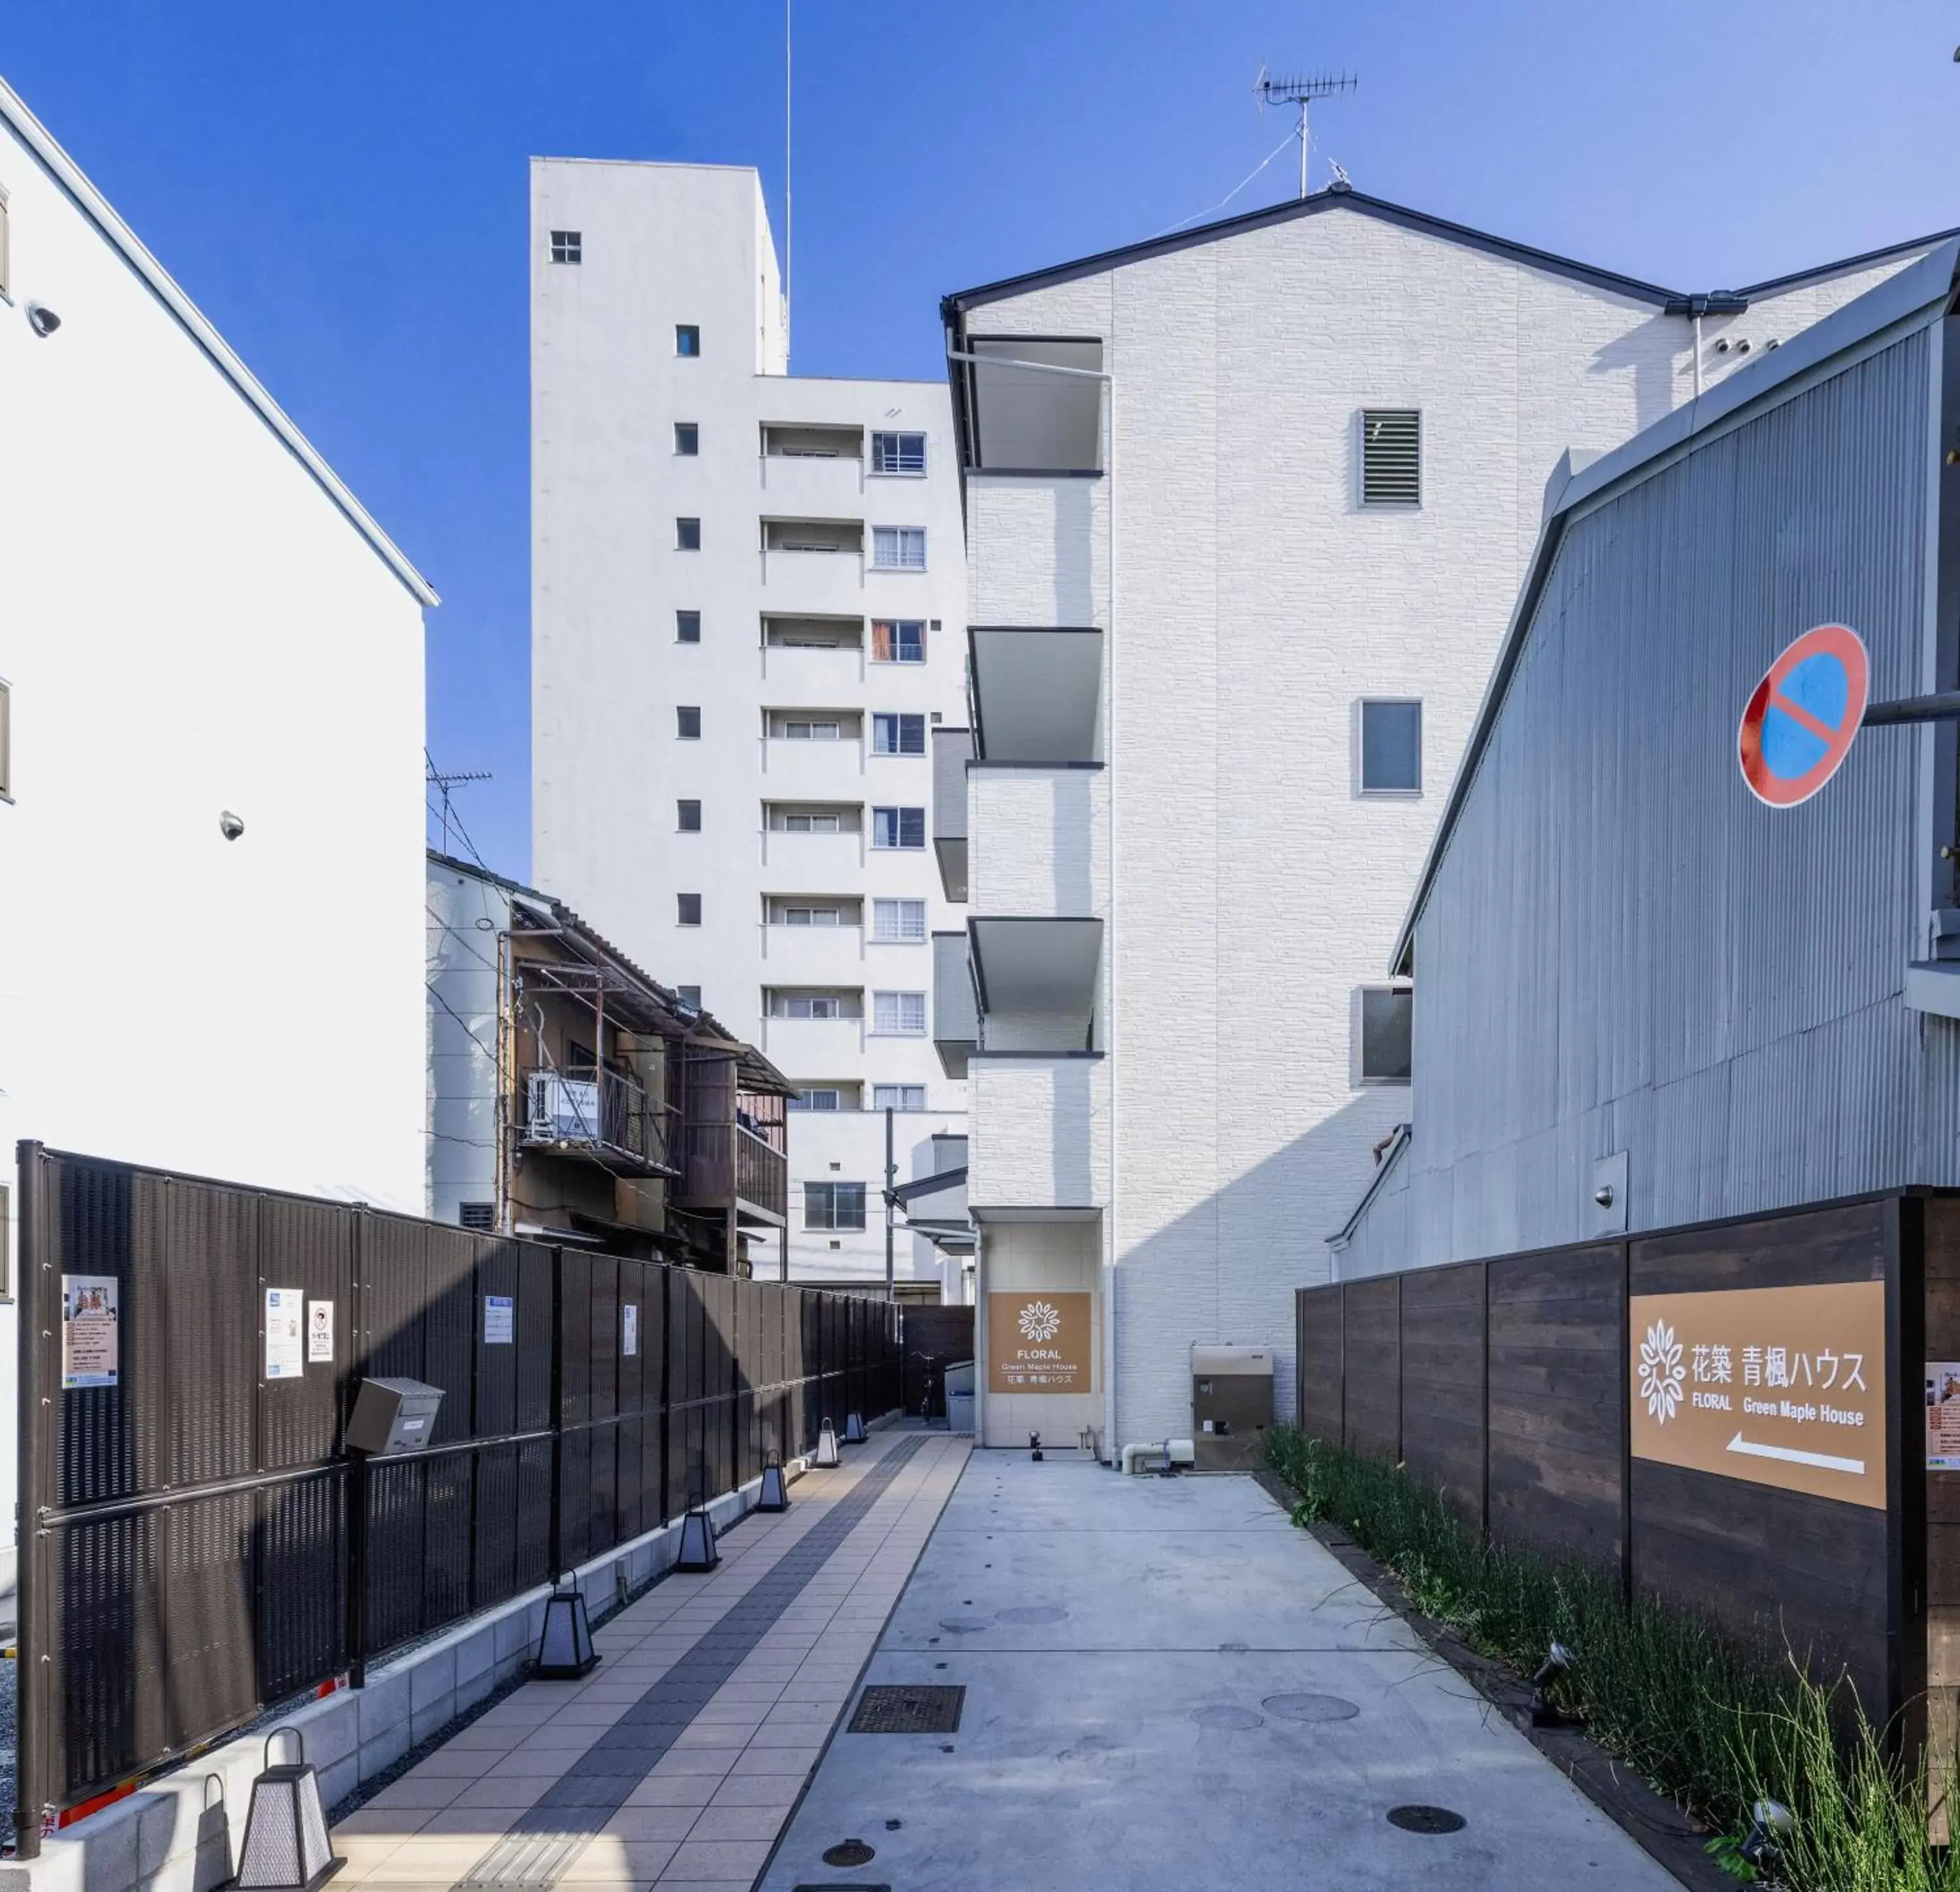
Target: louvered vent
column 1390, row 456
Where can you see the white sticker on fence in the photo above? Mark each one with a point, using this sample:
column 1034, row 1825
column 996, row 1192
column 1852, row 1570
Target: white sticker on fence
column 285, row 1337
column 90, row 1353
column 319, row 1332
column 631, row 1314
column 500, row 1320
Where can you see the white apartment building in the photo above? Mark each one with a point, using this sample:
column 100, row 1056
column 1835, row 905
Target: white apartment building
column 211, row 739
column 1246, row 509
column 747, row 617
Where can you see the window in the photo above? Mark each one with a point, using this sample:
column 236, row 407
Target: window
column 6, row 1192
column 812, row 917
column 1382, row 1014
column 6, row 741
column 689, row 906
column 901, row 641
column 833, row 1205
column 825, row 1097
column 687, row 339
column 1391, row 747
column 806, row 729
column 689, row 996
column 476, row 1215
column 567, row 245
column 687, row 535
column 898, row 828
column 1390, row 456
column 687, row 439
column 688, row 817
column 810, row 1005
column 810, row 825
column 898, row 1097
column 898, row 919
column 687, row 722
column 6, row 287
column 899, row 1014
column 687, row 626
column 898, row 453
column 898, row 548
column 897, row 735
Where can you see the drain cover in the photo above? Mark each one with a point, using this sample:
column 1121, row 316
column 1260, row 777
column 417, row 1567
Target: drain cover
column 908, row 1708
column 849, row 1852
column 1223, row 1715
column 1310, row 1707
column 1033, row 1613
column 1424, row 1820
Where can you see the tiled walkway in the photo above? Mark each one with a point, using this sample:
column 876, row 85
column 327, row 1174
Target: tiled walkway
column 676, row 1761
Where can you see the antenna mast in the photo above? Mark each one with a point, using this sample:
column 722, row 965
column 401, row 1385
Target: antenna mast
column 789, row 205
column 1302, row 93
column 442, row 783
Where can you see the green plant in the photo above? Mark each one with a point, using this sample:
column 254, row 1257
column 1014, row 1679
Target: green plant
column 1712, row 1722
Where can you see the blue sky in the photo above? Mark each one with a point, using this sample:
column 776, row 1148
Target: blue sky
column 341, row 187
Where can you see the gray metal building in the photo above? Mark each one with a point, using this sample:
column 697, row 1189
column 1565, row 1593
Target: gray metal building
column 1633, row 980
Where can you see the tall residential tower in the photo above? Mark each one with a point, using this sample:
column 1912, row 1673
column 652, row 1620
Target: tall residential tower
column 747, row 615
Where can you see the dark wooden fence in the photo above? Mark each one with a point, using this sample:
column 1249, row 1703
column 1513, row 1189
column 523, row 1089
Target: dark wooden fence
column 196, row 1543
column 1505, row 1385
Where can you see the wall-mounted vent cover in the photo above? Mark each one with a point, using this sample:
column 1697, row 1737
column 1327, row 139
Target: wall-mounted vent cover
column 1390, row 456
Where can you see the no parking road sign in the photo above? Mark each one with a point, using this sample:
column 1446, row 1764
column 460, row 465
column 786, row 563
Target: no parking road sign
column 1801, row 719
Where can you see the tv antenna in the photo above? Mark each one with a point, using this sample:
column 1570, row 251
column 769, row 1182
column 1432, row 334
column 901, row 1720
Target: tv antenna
column 442, row 784
column 1301, row 92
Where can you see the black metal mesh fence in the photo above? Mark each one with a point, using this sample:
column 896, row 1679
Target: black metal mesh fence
column 194, row 1544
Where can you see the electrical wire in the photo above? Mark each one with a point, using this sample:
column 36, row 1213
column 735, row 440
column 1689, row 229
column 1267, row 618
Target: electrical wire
column 1291, row 137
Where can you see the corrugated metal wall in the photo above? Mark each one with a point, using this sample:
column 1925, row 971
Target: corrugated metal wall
column 1623, row 949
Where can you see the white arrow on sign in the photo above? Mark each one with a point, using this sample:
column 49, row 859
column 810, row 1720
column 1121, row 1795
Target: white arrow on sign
column 1823, row 1460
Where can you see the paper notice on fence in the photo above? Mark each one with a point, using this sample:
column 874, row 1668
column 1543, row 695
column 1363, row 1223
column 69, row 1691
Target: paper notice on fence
column 285, row 1334
column 499, row 1320
column 630, row 1336
column 319, row 1332
column 90, row 1354
column 1942, row 1415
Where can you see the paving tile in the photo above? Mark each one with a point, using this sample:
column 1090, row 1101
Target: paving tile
column 761, row 1821
column 674, row 1790
column 609, row 1860
column 653, row 1823
column 758, row 1790
column 718, row 1859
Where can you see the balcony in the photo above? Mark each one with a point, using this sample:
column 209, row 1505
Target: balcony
column 808, row 1049
column 1037, row 840
column 1037, row 694
column 796, row 769
column 952, row 749
column 1039, row 1132
column 820, row 956
column 814, row 566
column 955, row 1019
column 811, row 469
column 727, row 1164
column 1038, row 982
column 798, row 862
column 608, row 1119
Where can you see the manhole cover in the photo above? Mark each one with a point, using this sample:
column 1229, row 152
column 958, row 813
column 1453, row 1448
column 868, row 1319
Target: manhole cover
column 964, row 1625
column 849, row 1852
column 1223, row 1715
column 1425, row 1819
column 909, row 1709
column 1310, row 1707
column 1033, row 1613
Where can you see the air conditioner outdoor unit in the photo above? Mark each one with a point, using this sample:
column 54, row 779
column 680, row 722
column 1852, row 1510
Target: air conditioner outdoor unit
column 563, row 1110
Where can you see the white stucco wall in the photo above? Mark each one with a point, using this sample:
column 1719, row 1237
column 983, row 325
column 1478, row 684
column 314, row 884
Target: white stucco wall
column 1256, row 603
column 664, row 244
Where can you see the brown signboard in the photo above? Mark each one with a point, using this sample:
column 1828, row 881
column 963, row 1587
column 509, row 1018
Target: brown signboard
column 1038, row 1343
column 1779, row 1386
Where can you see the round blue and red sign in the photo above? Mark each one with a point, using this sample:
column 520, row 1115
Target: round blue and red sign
column 1801, row 719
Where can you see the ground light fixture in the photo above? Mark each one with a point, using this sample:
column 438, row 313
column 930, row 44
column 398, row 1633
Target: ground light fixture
column 775, row 1495
column 1545, row 1712
column 698, row 1551
column 1034, row 1447
column 1770, row 1822
column 287, row 1849
column 565, row 1650
column 826, row 1447
column 853, row 1429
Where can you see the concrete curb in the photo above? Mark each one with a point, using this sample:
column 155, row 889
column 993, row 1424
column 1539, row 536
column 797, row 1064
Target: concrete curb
column 163, row 1838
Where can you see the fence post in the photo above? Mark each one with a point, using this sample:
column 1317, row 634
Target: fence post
column 30, row 1782
column 557, row 1411
column 360, row 1344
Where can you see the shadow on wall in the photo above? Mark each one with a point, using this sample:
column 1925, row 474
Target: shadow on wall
column 1074, row 530
column 1650, row 353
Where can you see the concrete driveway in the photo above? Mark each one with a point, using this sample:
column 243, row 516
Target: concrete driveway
column 1169, row 1687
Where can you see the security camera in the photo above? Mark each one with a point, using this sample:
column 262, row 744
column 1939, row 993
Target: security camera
column 42, row 319
column 230, row 826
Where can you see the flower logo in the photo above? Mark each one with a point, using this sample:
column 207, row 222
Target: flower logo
column 1039, row 1321
column 1662, row 1378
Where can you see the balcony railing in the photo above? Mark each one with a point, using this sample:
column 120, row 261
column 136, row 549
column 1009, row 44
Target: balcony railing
column 724, row 1162
column 608, row 1115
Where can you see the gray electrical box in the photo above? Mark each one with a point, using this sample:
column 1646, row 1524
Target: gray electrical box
column 392, row 1415
column 1231, row 1407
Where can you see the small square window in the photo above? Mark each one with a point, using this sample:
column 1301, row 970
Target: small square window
column 687, row 722
column 567, row 245
column 687, row 439
column 898, row 641
column 689, row 906
column 687, row 535
column 898, row 828
column 687, row 340
column 690, row 817
column 833, row 1205
column 687, row 626
column 898, row 1097
column 821, row 1097
column 1391, row 761
column 898, row 734
column 898, row 548
column 689, row 996
column 897, row 920
column 1382, row 1017
column 898, row 453
column 899, row 1014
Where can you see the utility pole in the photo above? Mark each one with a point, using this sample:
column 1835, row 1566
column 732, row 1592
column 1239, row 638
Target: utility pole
column 891, row 1183
column 1302, row 93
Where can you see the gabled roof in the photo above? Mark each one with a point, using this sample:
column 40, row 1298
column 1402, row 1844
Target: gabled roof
column 1915, row 294
column 1337, row 197
column 97, row 209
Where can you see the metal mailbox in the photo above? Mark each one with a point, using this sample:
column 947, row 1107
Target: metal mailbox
column 392, row 1415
